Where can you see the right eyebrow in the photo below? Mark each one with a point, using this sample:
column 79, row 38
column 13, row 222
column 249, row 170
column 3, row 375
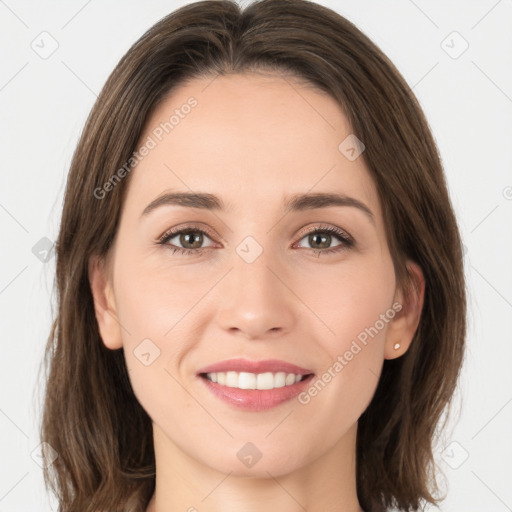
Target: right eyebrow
column 187, row 199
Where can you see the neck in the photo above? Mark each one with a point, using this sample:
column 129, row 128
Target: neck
column 325, row 484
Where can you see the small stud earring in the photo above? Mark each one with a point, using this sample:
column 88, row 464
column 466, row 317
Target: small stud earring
column 396, row 346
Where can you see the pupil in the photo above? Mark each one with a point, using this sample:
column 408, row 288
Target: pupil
column 321, row 236
column 197, row 238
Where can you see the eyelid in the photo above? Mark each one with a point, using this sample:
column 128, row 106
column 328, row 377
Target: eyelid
column 337, row 231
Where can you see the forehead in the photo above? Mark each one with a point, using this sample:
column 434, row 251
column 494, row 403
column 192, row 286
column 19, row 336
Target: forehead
column 248, row 137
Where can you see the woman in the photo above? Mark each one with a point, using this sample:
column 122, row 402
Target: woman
column 260, row 277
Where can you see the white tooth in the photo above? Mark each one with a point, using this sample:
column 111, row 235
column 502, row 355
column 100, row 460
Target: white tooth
column 232, row 379
column 247, row 380
column 290, row 379
column 265, row 381
column 279, row 379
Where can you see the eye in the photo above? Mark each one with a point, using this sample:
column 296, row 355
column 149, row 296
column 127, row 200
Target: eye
column 320, row 239
column 187, row 240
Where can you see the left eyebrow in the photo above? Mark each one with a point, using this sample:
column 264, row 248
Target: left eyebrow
column 296, row 202
column 300, row 202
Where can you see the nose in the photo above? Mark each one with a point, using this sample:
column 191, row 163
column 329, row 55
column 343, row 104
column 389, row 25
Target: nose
column 256, row 300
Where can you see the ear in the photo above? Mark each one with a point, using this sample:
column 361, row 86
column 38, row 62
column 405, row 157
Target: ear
column 104, row 303
column 404, row 324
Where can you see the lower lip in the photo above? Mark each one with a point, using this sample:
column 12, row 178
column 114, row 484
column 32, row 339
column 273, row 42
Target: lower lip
column 256, row 399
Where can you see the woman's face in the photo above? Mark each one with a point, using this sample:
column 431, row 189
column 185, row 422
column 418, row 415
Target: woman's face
column 267, row 282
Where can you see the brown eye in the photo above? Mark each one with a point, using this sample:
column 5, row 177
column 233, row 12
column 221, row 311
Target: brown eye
column 321, row 239
column 186, row 240
column 191, row 239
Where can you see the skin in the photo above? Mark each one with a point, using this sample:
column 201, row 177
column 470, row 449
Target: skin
column 252, row 140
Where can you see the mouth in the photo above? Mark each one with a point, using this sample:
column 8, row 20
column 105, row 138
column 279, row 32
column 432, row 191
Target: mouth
column 255, row 386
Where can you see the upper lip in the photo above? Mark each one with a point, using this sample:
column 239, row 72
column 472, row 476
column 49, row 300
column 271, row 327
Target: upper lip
column 244, row 365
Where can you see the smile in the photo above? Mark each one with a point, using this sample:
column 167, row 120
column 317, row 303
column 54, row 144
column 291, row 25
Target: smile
column 255, row 385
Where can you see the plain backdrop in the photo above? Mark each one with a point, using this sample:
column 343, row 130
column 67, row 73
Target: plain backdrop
column 457, row 57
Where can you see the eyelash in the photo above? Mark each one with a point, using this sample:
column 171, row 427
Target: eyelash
column 346, row 241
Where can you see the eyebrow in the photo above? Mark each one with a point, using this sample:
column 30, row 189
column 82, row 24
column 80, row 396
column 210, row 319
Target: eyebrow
column 295, row 202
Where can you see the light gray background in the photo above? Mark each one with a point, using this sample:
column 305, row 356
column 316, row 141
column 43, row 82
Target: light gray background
column 468, row 102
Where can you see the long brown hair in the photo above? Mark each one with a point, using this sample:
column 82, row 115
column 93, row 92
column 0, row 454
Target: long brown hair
column 91, row 417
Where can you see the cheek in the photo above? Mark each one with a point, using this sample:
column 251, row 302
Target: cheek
column 154, row 318
column 151, row 301
column 355, row 308
column 350, row 298
column 152, row 311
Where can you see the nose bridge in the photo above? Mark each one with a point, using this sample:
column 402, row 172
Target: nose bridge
column 255, row 300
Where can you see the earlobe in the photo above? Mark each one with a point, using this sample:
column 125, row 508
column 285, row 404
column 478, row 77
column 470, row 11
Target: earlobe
column 405, row 323
column 104, row 303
